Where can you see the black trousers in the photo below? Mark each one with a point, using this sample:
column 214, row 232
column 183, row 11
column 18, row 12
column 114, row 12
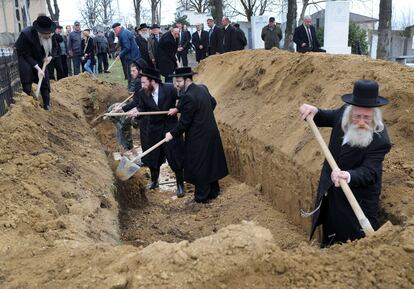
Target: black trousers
column 200, row 54
column 102, row 59
column 184, row 56
column 205, row 192
column 44, row 90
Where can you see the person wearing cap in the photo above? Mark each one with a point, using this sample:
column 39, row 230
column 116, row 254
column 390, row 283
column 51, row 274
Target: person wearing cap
column 142, row 41
column 161, row 97
column 359, row 142
column 129, row 49
column 204, row 161
column 271, row 34
column 167, row 51
column 200, row 42
column 33, row 46
column 75, row 47
column 153, row 44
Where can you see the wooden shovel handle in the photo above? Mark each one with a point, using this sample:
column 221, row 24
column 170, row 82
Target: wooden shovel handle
column 41, row 79
column 149, row 150
column 112, row 64
column 141, row 113
column 362, row 219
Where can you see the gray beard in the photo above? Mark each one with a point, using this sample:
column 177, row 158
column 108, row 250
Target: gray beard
column 47, row 45
column 359, row 137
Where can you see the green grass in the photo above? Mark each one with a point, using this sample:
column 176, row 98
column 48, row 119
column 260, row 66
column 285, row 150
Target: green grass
column 116, row 75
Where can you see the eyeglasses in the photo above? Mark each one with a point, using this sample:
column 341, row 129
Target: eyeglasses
column 365, row 118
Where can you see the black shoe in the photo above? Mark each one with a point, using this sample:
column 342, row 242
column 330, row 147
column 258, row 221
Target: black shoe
column 153, row 185
column 180, row 192
column 48, row 108
column 107, row 71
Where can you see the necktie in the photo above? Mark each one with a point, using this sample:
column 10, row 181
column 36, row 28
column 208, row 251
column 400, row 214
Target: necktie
column 309, row 37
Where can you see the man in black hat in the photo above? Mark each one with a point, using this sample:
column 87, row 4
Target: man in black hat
column 359, row 142
column 161, row 97
column 142, row 42
column 153, row 44
column 33, row 46
column 205, row 162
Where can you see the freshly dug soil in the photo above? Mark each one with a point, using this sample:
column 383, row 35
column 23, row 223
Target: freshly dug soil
column 59, row 218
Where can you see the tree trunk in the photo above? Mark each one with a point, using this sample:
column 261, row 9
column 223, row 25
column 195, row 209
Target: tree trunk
column 137, row 9
column 305, row 4
column 290, row 24
column 54, row 15
column 216, row 10
column 154, row 11
column 384, row 29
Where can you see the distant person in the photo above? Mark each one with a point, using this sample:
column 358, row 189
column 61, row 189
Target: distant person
column 129, row 50
column 88, row 50
column 33, row 46
column 305, row 37
column 142, row 41
column 229, row 36
column 241, row 39
column 271, row 34
column 102, row 48
column 200, row 42
column 74, row 47
column 110, row 36
column 57, row 62
column 167, row 50
column 153, row 42
column 215, row 38
column 69, row 64
column 184, row 43
column 204, row 160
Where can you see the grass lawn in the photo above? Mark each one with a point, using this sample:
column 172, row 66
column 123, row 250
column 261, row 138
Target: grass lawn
column 116, row 75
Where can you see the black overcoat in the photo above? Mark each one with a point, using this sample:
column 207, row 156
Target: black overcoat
column 204, row 160
column 167, row 50
column 197, row 41
column 159, row 125
column 365, row 168
column 143, row 48
column 215, row 44
column 30, row 53
column 229, row 39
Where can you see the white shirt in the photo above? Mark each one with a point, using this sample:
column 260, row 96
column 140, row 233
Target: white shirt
column 155, row 95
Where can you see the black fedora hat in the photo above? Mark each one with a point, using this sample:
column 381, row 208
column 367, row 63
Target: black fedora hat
column 44, row 24
column 151, row 73
column 155, row 26
column 183, row 71
column 140, row 63
column 365, row 94
column 142, row 26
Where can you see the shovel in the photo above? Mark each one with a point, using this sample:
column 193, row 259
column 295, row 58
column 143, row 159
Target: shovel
column 103, row 114
column 46, row 61
column 127, row 168
column 362, row 219
column 139, row 113
column 112, row 64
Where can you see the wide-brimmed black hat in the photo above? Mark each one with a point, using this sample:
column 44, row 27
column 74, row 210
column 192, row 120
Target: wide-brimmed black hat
column 151, row 73
column 44, row 24
column 183, row 71
column 365, row 94
column 142, row 26
column 141, row 63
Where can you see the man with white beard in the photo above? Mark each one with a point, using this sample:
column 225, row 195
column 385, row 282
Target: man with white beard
column 33, row 46
column 359, row 142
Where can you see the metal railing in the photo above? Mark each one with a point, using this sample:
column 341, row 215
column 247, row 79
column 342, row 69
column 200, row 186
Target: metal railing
column 9, row 78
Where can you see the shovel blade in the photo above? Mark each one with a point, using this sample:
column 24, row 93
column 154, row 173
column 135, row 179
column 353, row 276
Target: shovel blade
column 126, row 169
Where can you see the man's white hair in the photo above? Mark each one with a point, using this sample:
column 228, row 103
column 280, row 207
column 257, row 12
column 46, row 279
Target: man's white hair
column 307, row 17
column 377, row 122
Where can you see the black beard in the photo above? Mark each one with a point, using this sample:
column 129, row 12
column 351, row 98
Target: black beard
column 149, row 90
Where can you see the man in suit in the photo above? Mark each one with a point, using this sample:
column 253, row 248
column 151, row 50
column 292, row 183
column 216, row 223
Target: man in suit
column 241, row 40
column 305, row 37
column 215, row 38
column 153, row 44
column 161, row 97
column 200, row 42
column 167, row 50
column 142, row 42
column 205, row 162
column 184, row 43
column 33, row 46
column 359, row 142
column 229, row 36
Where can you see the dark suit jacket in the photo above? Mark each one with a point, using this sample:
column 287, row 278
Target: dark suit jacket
column 229, row 39
column 185, row 41
column 241, row 40
column 365, row 168
column 215, row 41
column 300, row 36
column 167, row 50
column 197, row 41
column 143, row 48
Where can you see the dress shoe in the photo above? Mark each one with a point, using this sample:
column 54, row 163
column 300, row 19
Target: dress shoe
column 153, row 185
column 107, row 71
column 180, row 191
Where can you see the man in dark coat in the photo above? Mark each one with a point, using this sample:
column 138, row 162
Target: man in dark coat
column 184, row 43
column 153, row 44
column 33, row 46
column 161, row 97
column 359, row 142
column 57, row 61
column 200, row 42
column 241, row 37
column 142, row 41
column 167, row 50
column 204, row 162
column 215, row 38
column 229, row 36
column 305, row 37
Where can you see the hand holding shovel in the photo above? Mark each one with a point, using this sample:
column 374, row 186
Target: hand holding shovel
column 119, row 105
column 41, row 74
column 136, row 113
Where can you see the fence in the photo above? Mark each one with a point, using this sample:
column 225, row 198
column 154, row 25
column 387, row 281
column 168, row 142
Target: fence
column 9, row 78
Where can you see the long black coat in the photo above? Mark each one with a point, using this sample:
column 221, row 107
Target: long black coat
column 300, row 36
column 229, row 39
column 143, row 48
column 241, row 40
column 167, row 50
column 159, row 125
column 204, row 160
column 215, row 44
column 197, row 41
column 30, row 53
column 365, row 168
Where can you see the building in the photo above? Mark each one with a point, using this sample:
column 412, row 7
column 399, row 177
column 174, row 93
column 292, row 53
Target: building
column 16, row 15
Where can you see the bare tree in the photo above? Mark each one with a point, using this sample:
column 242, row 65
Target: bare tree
column 90, row 12
column 137, row 9
column 199, row 6
column 249, row 8
column 53, row 14
column 216, row 7
column 290, row 24
column 106, row 12
column 384, row 29
column 155, row 11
